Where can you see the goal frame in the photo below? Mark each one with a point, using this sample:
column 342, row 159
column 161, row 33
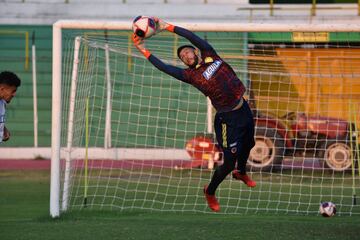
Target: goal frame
column 214, row 25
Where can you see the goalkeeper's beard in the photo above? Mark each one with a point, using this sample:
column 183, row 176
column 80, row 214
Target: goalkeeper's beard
column 196, row 61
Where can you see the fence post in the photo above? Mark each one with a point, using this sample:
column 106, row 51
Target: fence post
column 313, row 8
column 34, row 79
column 271, row 7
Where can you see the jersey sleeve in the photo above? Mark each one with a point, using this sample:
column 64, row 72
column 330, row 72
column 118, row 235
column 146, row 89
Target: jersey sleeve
column 173, row 71
column 200, row 43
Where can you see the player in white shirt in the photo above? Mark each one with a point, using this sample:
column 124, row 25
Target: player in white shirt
column 9, row 83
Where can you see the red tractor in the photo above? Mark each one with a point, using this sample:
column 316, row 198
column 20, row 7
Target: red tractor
column 324, row 139
column 295, row 134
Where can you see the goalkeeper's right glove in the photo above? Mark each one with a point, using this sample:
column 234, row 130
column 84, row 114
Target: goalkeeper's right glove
column 162, row 25
column 140, row 45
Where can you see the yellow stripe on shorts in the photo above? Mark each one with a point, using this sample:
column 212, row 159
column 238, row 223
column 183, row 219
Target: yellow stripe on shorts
column 224, row 135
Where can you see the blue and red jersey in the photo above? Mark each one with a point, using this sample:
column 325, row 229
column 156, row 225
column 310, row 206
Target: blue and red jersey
column 212, row 76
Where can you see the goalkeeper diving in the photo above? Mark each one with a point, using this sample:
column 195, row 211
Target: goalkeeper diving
column 210, row 74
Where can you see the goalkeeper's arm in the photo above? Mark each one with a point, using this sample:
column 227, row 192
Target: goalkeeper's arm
column 189, row 35
column 166, row 68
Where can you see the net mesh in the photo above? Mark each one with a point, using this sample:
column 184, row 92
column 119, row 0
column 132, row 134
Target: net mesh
column 304, row 90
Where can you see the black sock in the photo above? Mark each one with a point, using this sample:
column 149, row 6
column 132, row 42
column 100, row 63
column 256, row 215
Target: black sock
column 218, row 176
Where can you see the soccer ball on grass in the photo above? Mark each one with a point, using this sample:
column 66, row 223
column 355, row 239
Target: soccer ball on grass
column 327, row 209
column 144, row 27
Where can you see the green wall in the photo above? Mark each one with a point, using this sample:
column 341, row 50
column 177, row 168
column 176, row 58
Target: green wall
column 15, row 55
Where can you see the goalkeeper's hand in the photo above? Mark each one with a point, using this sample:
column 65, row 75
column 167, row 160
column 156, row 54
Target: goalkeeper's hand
column 140, row 45
column 161, row 25
column 6, row 135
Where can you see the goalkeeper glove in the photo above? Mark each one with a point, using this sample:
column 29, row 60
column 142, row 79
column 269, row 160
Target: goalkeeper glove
column 162, row 25
column 140, row 45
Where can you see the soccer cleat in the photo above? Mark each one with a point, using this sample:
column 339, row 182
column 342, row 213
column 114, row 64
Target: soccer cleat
column 211, row 201
column 243, row 177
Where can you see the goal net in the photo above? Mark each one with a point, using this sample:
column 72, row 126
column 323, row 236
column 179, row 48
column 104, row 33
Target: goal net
column 129, row 137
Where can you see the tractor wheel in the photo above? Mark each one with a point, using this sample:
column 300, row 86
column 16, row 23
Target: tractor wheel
column 268, row 152
column 336, row 155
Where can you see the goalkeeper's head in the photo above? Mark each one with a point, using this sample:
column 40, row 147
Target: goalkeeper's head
column 188, row 54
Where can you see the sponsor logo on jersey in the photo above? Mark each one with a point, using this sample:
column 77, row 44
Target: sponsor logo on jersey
column 210, row 70
column 209, row 60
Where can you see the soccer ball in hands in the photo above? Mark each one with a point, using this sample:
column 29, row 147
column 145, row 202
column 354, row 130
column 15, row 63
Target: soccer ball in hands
column 144, row 27
column 327, row 209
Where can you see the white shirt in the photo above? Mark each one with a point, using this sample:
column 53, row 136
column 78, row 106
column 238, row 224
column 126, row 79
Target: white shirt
column 2, row 118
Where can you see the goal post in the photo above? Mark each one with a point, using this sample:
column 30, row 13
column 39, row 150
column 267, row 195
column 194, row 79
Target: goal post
column 141, row 121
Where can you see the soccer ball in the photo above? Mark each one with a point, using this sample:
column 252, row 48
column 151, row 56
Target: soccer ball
column 144, row 26
column 327, row 209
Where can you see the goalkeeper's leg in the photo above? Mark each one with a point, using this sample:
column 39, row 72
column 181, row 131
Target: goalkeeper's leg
column 222, row 171
column 246, row 143
column 222, row 129
column 240, row 172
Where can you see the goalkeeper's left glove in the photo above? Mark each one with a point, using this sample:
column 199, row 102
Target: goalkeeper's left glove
column 140, row 45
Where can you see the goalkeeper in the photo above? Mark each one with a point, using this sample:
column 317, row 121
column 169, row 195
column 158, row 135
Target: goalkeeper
column 234, row 124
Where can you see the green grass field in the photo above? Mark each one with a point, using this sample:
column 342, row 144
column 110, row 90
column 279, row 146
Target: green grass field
column 24, row 214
